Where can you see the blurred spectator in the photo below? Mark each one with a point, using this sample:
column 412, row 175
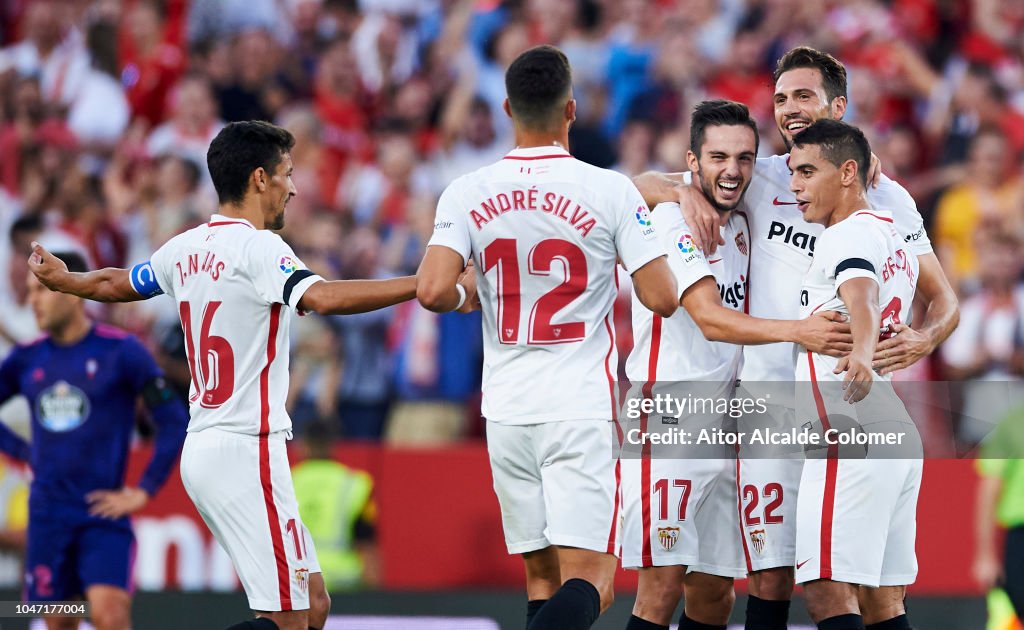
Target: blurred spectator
column 469, row 141
column 990, row 196
column 337, row 507
column 988, row 345
column 636, row 148
column 194, row 122
column 313, row 389
column 152, row 58
column 253, row 92
column 98, row 111
column 437, row 375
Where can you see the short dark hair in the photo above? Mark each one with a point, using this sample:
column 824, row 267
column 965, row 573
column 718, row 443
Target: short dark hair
column 839, row 142
column 718, row 113
column 75, row 261
column 833, row 73
column 537, row 83
column 239, row 149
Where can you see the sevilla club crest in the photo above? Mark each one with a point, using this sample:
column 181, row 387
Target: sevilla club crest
column 757, row 540
column 668, row 536
column 741, row 243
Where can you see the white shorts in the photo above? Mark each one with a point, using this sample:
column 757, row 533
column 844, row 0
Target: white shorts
column 857, row 521
column 557, row 484
column 681, row 512
column 769, row 482
column 242, row 486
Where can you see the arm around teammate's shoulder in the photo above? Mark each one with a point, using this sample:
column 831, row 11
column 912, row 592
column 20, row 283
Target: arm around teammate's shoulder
column 656, row 287
column 347, row 297
column 103, row 285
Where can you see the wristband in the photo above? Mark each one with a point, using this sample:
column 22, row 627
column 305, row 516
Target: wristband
column 462, row 296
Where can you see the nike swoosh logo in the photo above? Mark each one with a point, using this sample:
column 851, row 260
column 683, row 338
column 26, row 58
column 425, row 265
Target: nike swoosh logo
column 800, row 564
column 783, row 203
column 711, row 262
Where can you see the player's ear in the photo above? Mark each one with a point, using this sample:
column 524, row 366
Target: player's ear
column 259, row 177
column 691, row 162
column 848, row 173
column 570, row 111
column 508, row 108
column 838, row 107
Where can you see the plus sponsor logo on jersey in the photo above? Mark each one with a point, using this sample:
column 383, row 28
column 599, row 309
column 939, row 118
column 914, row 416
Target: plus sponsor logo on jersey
column 687, row 250
column 668, row 537
column 757, row 540
column 533, row 200
column 787, row 234
column 288, row 265
column 733, row 294
column 62, row 407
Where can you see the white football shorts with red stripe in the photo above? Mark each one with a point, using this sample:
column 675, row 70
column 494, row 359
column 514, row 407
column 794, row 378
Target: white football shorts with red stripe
column 557, row 484
column 242, row 486
column 681, row 512
column 857, row 521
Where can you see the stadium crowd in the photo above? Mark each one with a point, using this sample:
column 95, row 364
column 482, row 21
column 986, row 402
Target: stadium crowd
column 108, row 106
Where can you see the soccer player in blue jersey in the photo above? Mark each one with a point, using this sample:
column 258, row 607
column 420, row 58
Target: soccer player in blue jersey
column 82, row 380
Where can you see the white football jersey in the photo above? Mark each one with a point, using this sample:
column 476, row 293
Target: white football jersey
column 235, row 287
column 545, row 230
column 675, row 349
column 864, row 245
column 783, row 244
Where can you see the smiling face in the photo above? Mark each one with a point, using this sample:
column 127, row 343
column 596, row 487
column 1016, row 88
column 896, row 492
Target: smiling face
column 800, row 100
column 279, row 190
column 725, row 165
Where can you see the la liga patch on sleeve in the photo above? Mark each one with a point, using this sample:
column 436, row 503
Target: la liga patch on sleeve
column 288, row 265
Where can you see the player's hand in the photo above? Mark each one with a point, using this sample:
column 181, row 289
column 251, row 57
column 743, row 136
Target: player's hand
column 827, row 333
column 858, row 379
column 116, row 503
column 874, row 171
column 986, row 570
column 906, row 347
column 46, row 267
column 701, row 216
column 468, row 281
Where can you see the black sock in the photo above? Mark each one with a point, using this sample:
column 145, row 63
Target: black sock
column 685, row 623
column 532, row 606
column 896, row 623
column 766, row 614
column 575, row 606
column 842, row 622
column 259, row 623
column 636, row 623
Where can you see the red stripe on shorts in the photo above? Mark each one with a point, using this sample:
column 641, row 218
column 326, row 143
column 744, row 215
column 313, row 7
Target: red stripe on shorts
column 283, row 582
column 645, row 450
column 828, row 502
column 739, row 511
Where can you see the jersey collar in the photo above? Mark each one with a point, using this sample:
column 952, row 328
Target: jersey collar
column 219, row 219
column 537, row 153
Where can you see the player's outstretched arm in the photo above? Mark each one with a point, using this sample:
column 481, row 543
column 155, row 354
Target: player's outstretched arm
column 861, row 298
column 347, row 297
column 103, row 285
column 822, row 332
column 656, row 287
column 941, row 316
column 441, row 274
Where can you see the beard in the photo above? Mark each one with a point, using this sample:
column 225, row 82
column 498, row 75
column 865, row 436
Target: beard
column 277, row 222
column 708, row 188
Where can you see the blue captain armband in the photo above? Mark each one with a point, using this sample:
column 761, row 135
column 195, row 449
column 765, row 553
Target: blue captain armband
column 143, row 280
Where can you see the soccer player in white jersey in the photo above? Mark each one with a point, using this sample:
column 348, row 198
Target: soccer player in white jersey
column 809, row 85
column 544, row 231
column 856, row 517
column 236, row 284
column 680, row 522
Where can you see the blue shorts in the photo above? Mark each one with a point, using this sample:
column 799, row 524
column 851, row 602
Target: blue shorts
column 65, row 556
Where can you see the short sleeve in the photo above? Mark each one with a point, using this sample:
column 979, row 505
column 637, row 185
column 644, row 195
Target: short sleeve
column 137, row 365
column 451, row 226
column 277, row 273
column 852, row 249
column 688, row 264
column 908, row 221
column 160, row 267
column 636, row 241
